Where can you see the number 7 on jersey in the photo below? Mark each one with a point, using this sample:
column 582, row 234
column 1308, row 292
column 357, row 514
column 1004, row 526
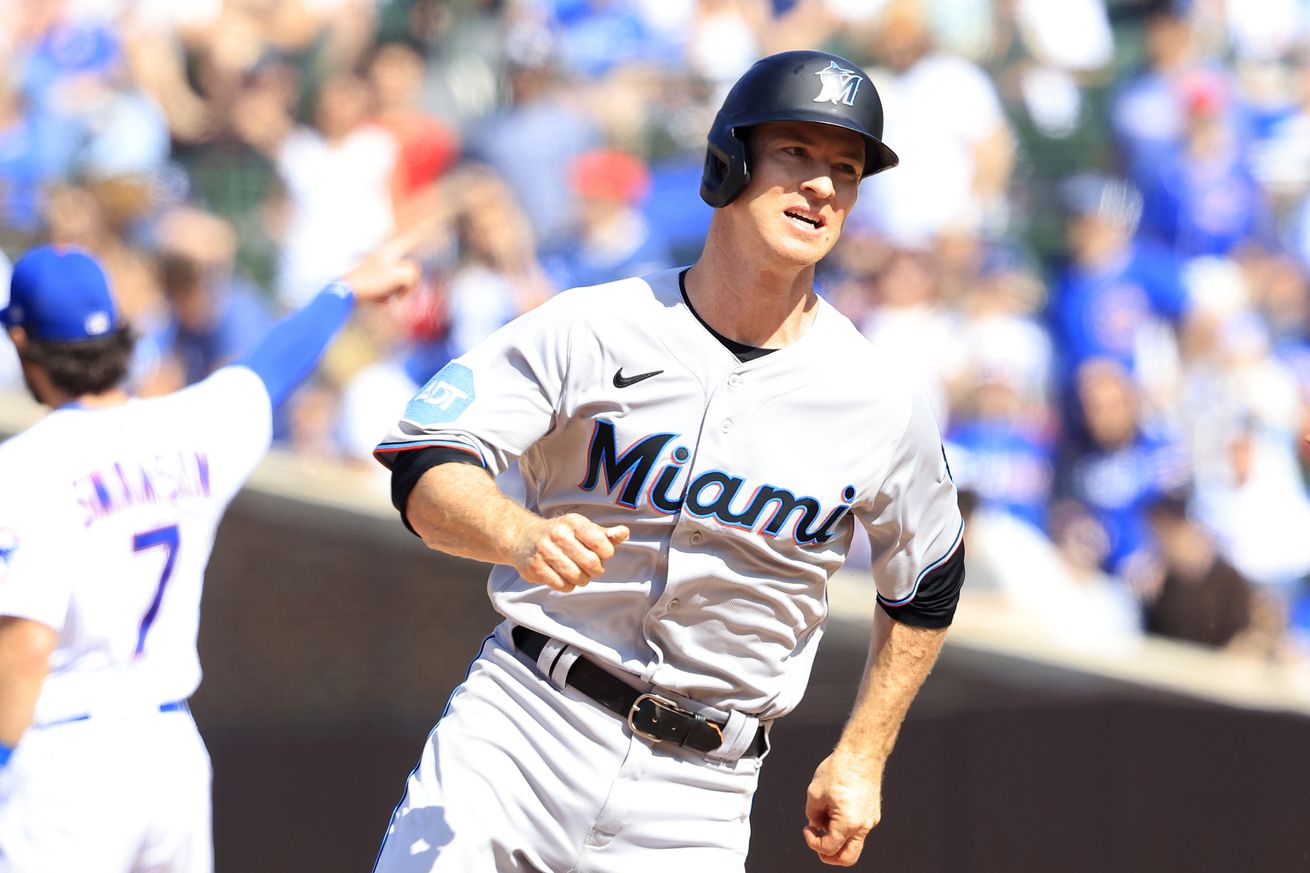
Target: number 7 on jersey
column 167, row 539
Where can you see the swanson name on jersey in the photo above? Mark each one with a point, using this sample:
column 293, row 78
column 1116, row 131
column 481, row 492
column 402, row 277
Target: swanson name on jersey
column 646, row 472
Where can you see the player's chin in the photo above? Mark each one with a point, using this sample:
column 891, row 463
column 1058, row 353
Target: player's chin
column 805, row 251
column 812, row 242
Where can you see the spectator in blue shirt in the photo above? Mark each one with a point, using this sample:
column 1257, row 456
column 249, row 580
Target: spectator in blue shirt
column 612, row 237
column 1118, row 466
column 531, row 143
column 1003, row 458
column 214, row 315
column 1115, row 293
column 1201, row 197
column 1148, row 110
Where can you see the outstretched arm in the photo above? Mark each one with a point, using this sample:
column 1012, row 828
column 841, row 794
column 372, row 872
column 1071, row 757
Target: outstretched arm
column 458, row 509
column 844, row 800
column 292, row 347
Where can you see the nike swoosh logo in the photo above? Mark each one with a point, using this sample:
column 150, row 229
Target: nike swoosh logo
column 622, row 381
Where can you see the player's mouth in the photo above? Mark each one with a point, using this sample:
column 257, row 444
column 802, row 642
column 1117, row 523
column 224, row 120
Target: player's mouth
column 814, row 222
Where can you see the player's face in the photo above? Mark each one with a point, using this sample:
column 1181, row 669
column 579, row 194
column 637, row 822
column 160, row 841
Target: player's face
column 804, row 181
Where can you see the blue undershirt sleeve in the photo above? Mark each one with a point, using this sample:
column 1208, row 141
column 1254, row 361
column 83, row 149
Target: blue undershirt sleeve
column 292, row 347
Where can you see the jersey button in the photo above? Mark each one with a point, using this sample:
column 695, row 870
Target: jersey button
column 675, row 603
column 696, row 537
column 734, row 380
column 727, row 425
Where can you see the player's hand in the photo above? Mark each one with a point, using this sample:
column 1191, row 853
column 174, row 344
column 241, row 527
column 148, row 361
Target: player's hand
column 563, row 553
column 843, row 803
column 387, row 272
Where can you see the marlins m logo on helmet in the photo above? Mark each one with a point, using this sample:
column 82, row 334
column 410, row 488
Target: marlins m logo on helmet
column 838, row 85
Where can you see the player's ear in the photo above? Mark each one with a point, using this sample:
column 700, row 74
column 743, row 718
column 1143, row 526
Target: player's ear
column 19, row 338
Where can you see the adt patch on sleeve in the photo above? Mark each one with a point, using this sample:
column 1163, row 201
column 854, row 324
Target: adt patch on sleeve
column 444, row 398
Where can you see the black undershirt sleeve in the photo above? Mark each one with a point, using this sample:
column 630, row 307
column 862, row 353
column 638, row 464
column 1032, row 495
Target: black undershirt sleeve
column 408, row 467
column 934, row 603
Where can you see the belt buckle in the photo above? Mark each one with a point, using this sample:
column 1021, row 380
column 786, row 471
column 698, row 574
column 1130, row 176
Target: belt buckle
column 690, row 734
column 660, row 703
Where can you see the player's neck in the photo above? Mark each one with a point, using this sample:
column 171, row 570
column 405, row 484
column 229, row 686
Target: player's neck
column 52, row 397
column 756, row 307
column 107, row 400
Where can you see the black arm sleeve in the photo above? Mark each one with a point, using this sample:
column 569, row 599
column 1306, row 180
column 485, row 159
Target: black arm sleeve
column 408, row 467
column 934, row 603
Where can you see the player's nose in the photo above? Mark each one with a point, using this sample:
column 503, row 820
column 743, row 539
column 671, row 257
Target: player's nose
column 820, row 183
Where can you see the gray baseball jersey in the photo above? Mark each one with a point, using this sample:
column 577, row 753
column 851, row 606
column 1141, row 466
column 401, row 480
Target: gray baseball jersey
column 743, row 483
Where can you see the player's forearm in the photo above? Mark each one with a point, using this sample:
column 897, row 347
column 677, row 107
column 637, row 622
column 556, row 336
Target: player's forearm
column 458, row 509
column 292, row 348
column 25, row 648
column 900, row 658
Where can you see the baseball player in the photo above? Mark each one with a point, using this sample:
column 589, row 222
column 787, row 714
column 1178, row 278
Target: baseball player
column 107, row 517
column 699, row 447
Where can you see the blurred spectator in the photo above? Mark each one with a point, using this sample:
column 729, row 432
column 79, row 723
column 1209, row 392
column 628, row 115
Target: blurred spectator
column 998, row 453
column 1078, row 605
column 1074, row 35
column 1063, row 45
column 1116, row 298
column 64, row 71
column 596, row 36
column 425, row 147
column 11, row 374
column 1277, row 96
column 1201, row 197
column 488, row 276
column 1266, row 30
column 33, row 153
column 214, row 314
column 465, row 46
column 496, row 275
column 612, row 237
column 337, row 179
column 379, row 390
column 532, row 142
column 96, row 218
column 1301, row 233
column 76, row 113
column 1002, row 332
column 956, row 162
column 848, row 277
column 1255, row 505
column 907, row 318
column 1200, row 597
column 1290, row 144
column 1120, row 466
column 1149, row 108
column 725, row 38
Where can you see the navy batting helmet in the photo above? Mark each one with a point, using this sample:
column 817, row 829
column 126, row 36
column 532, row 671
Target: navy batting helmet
column 807, row 86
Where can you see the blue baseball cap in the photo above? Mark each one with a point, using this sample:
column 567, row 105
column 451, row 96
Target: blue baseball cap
column 60, row 294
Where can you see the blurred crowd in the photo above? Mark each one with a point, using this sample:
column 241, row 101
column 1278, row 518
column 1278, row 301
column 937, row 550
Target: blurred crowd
column 1094, row 257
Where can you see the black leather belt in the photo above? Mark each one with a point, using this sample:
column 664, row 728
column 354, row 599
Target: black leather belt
column 656, row 718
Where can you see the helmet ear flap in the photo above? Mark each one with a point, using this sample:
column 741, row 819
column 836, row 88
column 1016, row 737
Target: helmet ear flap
column 726, row 170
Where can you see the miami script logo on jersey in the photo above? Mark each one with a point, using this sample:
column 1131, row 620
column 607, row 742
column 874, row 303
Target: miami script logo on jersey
column 838, row 85
column 713, row 494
